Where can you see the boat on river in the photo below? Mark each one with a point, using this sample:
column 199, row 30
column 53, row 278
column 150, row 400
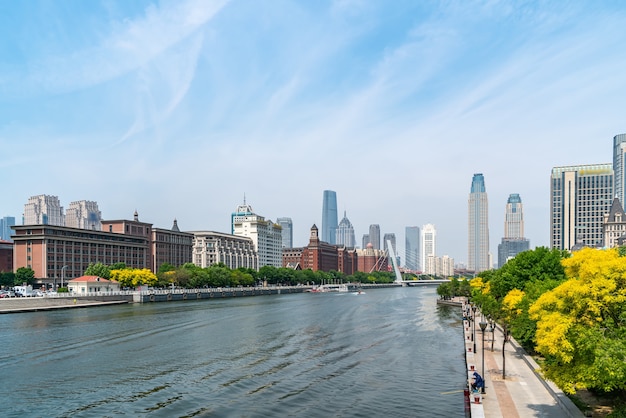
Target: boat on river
column 330, row 288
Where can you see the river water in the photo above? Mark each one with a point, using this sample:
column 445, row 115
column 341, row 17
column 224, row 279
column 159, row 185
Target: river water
column 389, row 352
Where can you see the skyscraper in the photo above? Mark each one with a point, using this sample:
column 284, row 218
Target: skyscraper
column 329, row 216
column 84, row 215
column 5, row 228
column 412, row 248
column 375, row 236
column 287, row 231
column 345, row 233
column 365, row 240
column 44, row 210
column 513, row 241
column 429, row 247
column 478, row 226
column 619, row 166
column 581, row 196
column 391, row 237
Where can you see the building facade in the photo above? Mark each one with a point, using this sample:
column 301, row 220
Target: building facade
column 329, row 216
column 6, row 256
column 210, row 247
column 365, row 240
column 44, row 210
column 345, row 233
column 580, row 197
column 412, row 248
column 83, row 214
column 614, row 225
column 619, row 166
column 375, row 236
column 286, row 233
column 171, row 246
column 370, row 259
column 57, row 253
column 265, row 234
column 513, row 242
column 429, row 247
column 5, row 228
column 478, row 226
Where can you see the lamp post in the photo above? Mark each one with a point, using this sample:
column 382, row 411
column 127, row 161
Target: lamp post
column 62, row 274
column 474, row 327
column 492, row 324
column 483, row 325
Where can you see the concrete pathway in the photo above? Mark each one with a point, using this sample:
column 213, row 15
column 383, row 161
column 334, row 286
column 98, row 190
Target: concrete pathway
column 522, row 392
column 15, row 305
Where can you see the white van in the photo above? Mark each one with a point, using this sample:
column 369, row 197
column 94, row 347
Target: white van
column 24, row 291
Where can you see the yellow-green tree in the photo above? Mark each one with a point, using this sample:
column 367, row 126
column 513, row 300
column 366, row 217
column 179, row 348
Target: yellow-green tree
column 134, row 277
column 581, row 323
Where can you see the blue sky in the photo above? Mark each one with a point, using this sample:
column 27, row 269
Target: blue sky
column 179, row 108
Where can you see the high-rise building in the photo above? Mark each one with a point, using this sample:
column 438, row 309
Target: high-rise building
column 375, row 236
column 513, row 242
column 365, row 240
column 412, row 248
column 478, row 226
column 83, row 214
column 265, row 234
column 44, row 210
column 5, row 228
column 345, row 233
column 391, row 237
column 287, row 231
column 329, row 216
column 581, row 196
column 429, row 247
column 619, row 166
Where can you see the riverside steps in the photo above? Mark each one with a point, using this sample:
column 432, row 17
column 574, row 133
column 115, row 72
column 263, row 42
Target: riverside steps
column 522, row 392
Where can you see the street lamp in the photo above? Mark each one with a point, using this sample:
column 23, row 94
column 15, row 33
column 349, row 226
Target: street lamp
column 474, row 327
column 483, row 325
column 62, row 274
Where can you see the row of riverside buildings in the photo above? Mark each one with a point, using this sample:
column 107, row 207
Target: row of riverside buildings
column 60, row 247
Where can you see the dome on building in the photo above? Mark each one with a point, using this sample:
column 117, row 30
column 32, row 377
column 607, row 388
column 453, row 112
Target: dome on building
column 370, row 245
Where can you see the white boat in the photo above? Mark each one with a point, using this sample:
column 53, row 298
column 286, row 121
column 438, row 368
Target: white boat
column 332, row 288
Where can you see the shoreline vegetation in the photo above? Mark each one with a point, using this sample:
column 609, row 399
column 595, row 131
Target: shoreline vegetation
column 568, row 311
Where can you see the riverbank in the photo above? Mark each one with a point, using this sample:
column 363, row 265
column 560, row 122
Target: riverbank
column 17, row 305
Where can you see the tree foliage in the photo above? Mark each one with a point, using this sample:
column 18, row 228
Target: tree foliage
column 24, row 275
column 581, row 323
column 134, row 277
column 99, row 270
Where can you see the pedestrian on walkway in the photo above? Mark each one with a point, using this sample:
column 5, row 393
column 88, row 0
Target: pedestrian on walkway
column 478, row 382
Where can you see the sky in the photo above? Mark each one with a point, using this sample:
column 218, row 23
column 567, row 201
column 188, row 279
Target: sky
column 179, row 109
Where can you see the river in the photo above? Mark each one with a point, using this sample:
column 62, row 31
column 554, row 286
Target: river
column 390, row 352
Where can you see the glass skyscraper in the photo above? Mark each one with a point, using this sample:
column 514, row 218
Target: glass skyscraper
column 329, row 217
column 5, row 228
column 345, row 233
column 375, row 236
column 478, row 226
column 287, row 231
column 513, row 242
column 412, row 248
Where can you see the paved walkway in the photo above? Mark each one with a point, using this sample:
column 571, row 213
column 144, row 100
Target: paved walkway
column 14, row 305
column 522, row 392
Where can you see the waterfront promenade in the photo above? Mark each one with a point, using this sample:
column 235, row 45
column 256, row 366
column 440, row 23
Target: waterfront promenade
column 522, row 392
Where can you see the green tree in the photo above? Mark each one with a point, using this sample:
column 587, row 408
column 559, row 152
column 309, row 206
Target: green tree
column 581, row 324
column 99, row 270
column 24, row 275
column 7, row 279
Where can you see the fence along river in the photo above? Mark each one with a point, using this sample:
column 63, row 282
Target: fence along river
column 390, row 352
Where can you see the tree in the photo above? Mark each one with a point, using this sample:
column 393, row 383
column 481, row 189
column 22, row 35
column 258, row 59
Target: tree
column 7, row 279
column 99, row 270
column 581, row 324
column 134, row 277
column 24, row 275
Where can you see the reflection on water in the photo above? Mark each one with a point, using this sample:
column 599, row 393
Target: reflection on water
column 390, row 352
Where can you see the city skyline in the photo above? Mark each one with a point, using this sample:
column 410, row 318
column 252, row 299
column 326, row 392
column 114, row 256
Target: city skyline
column 136, row 105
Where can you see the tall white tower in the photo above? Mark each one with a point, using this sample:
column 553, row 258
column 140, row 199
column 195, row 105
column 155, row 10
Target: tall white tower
column 429, row 247
column 478, row 226
column 44, row 210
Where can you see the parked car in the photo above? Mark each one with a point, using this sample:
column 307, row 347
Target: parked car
column 7, row 294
